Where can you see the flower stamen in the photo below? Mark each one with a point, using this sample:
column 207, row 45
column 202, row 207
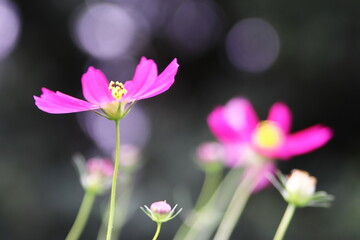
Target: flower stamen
column 268, row 135
column 117, row 89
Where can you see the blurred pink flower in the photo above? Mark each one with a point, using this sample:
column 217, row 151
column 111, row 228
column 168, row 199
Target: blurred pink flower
column 250, row 142
column 210, row 152
column 95, row 174
column 100, row 94
column 100, row 166
column 237, row 123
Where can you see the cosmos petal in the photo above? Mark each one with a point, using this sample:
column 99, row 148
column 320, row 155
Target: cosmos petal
column 281, row 114
column 146, row 83
column 57, row 103
column 95, row 87
column 305, row 141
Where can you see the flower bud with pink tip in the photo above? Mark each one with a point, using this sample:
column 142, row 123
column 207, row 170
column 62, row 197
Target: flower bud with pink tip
column 209, row 152
column 160, row 211
column 300, row 186
column 130, row 158
column 210, row 155
column 95, row 174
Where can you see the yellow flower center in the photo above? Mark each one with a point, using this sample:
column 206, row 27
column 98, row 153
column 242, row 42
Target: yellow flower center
column 268, row 135
column 117, row 89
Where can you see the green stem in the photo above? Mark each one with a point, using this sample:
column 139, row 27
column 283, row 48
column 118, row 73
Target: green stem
column 157, row 231
column 237, row 205
column 82, row 216
column 114, row 180
column 126, row 188
column 201, row 224
column 285, row 221
column 211, row 182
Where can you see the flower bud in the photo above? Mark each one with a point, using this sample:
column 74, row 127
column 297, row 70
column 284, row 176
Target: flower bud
column 160, row 211
column 210, row 156
column 160, row 208
column 129, row 157
column 299, row 189
column 210, row 152
column 95, row 174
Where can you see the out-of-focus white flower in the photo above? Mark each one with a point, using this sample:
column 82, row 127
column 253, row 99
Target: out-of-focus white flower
column 299, row 189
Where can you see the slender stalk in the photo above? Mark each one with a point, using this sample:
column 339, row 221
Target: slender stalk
column 114, row 181
column 211, row 182
column 82, row 216
column 285, row 221
column 126, row 188
column 157, row 231
column 236, row 206
column 201, row 224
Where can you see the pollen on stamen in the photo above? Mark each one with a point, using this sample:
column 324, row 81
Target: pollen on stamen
column 117, row 89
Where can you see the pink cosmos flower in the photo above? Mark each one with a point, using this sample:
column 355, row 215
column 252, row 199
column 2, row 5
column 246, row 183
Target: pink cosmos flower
column 236, row 125
column 110, row 97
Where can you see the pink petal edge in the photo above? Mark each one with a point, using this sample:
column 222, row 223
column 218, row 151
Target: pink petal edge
column 58, row 103
column 281, row 114
column 305, row 141
column 152, row 87
column 241, row 116
column 95, row 87
column 220, row 127
column 144, row 76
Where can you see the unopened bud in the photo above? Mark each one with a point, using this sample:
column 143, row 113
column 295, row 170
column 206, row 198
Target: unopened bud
column 95, row 174
column 160, row 211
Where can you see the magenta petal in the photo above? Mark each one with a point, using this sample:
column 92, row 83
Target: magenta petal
column 281, row 114
column 241, row 116
column 95, row 87
column 146, row 83
column 57, row 102
column 235, row 154
column 144, row 76
column 305, row 141
column 234, row 122
column 220, row 127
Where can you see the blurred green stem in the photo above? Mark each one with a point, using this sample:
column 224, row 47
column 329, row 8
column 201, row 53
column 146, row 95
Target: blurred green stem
column 285, row 221
column 157, row 231
column 82, row 216
column 201, row 224
column 211, row 182
column 114, row 181
column 125, row 186
column 237, row 204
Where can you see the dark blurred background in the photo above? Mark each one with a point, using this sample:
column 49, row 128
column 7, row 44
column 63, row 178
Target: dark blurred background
column 305, row 53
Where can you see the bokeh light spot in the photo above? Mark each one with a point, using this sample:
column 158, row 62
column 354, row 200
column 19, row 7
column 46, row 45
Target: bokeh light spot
column 252, row 45
column 9, row 27
column 107, row 31
column 195, row 26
